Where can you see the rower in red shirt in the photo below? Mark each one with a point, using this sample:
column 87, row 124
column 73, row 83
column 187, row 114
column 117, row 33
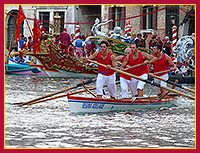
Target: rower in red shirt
column 163, row 62
column 136, row 57
column 105, row 75
column 125, row 80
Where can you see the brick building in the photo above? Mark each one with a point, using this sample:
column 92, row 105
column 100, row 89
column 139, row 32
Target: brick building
column 143, row 18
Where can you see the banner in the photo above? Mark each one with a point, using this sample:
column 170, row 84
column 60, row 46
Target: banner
column 20, row 18
column 36, row 36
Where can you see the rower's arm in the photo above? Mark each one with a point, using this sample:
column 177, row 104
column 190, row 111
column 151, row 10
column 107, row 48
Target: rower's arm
column 149, row 59
column 118, row 58
column 93, row 56
column 171, row 63
column 113, row 61
column 125, row 61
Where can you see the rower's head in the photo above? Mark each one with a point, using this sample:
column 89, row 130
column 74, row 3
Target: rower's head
column 104, row 45
column 134, row 48
column 157, row 48
column 127, row 51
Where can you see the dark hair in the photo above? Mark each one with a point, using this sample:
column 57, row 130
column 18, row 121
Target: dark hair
column 135, row 43
column 104, row 42
column 158, row 46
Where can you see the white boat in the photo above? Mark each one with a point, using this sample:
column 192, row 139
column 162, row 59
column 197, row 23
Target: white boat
column 94, row 105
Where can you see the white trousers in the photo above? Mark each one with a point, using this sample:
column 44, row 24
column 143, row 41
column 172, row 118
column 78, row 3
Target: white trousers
column 162, row 83
column 110, row 83
column 125, row 85
column 137, row 84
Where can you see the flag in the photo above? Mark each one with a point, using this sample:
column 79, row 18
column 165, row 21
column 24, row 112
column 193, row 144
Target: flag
column 36, row 36
column 20, row 18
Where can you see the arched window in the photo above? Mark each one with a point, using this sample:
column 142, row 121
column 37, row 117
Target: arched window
column 11, row 28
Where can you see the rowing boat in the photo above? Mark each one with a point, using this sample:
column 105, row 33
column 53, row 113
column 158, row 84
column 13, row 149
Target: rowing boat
column 79, row 104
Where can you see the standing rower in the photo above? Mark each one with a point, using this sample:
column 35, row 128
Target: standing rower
column 134, row 58
column 163, row 62
column 125, row 80
column 105, row 75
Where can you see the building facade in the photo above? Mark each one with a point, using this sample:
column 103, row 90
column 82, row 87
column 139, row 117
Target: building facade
column 143, row 18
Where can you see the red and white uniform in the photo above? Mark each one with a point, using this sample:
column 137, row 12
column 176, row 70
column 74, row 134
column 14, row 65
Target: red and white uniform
column 140, row 71
column 105, row 76
column 125, row 83
column 161, row 65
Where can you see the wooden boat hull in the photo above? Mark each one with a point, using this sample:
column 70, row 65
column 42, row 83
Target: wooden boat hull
column 93, row 105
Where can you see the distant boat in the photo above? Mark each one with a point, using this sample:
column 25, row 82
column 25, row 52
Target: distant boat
column 21, row 68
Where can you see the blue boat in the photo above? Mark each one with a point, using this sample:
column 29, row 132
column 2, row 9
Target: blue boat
column 21, row 68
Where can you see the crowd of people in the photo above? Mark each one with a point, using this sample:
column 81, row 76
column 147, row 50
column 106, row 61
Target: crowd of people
column 25, row 43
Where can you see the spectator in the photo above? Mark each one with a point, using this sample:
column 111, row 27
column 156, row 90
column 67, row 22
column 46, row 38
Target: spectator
column 64, row 38
column 30, row 43
column 78, row 43
column 20, row 43
column 89, row 48
column 167, row 49
column 152, row 41
column 25, row 44
column 140, row 41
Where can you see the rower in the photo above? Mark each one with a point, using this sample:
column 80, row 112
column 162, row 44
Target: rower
column 105, row 75
column 163, row 62
column 125, row 80
column 134, row 58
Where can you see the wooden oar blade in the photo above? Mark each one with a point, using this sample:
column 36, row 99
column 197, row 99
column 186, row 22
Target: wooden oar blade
column 64, row 90
column 60, row 96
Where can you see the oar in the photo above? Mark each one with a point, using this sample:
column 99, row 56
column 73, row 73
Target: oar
column 56, row 97
column 60, row 96
column 134, row 66
column 171, row 82
column 88, row 90
column 147, row 81
column 162, row 96
column 160, row 72
column 43, row 97
column 118, row 62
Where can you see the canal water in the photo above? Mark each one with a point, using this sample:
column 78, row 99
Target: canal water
column 51, row 125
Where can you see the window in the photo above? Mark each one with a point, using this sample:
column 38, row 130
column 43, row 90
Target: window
column 118, row 14
column 171, row 10
column 148, row 17
column 44, row 19
column 11, row 28
column 62, row 15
